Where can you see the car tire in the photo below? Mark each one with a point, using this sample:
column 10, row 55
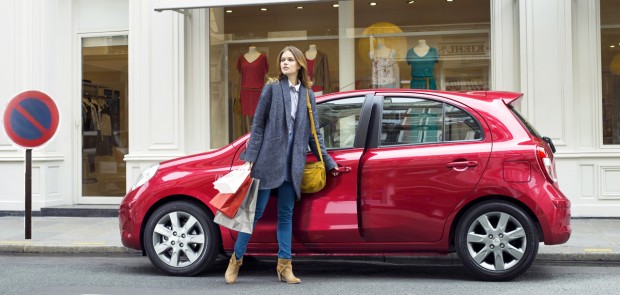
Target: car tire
column 180, row 239
column 496, row 241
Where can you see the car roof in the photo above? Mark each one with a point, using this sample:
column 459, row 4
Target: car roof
column 506, row 96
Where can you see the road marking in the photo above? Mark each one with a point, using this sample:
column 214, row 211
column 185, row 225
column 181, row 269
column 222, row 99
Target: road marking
column 15, row 242
column 598, row 250
column 89, row 243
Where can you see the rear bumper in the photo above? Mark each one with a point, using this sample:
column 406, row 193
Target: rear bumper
column 554, row 217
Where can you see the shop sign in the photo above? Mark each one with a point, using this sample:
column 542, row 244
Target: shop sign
column 463, row 49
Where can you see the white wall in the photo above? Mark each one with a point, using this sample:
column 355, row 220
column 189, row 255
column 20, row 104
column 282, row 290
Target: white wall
column 157, row 86
column 36, row 58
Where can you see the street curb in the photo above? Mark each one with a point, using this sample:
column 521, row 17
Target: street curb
column 38, row 249
column 451, row 258
column 579, row 257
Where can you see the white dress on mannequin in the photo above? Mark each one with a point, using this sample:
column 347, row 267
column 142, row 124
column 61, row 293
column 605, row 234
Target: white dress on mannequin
column 385, row 70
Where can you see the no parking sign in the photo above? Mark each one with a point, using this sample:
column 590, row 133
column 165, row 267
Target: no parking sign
column 30, row 120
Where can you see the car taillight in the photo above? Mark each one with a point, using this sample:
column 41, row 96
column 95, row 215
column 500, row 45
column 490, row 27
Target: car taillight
column 547, row 164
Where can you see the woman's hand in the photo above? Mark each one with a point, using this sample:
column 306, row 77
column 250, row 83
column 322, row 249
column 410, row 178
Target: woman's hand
column 336, row 171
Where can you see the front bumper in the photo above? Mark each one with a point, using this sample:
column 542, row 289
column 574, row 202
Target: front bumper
column 129, row 225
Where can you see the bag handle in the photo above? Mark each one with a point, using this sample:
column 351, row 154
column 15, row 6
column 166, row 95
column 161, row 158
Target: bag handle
column 316, row 138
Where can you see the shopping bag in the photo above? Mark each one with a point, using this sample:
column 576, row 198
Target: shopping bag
column 228, row 204
column 243, row 221
column 231, row 182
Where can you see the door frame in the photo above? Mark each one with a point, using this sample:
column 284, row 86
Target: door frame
column 78, row 198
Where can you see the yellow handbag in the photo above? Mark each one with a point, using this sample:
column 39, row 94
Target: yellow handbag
column 314, row 178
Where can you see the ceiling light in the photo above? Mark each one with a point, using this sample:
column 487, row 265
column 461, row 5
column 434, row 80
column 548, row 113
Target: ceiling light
column 300, row 7
column 450, row 0
column 336, row 5
column 373, row 3
column 612, row 46
column 229, row 11
column 410, row 2
column 263, row 9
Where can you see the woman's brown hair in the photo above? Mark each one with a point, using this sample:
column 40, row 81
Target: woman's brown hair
column 302, row 74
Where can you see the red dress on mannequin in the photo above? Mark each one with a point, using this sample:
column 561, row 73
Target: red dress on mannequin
column 252, row 81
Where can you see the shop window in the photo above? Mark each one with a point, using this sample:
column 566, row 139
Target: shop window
column 396, row 44
column 610, row 59
column 104, row 115
column 440, row 45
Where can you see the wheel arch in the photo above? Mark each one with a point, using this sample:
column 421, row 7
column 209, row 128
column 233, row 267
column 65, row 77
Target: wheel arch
column 477, row 201
column 176, row 198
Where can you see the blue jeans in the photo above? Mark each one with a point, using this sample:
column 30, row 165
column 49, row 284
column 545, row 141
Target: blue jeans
column 286, row 202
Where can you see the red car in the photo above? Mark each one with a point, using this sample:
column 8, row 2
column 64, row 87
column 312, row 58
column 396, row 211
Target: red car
column 430, row 173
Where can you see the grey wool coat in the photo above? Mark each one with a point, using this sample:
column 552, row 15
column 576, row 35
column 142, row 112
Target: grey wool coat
column 267, row 147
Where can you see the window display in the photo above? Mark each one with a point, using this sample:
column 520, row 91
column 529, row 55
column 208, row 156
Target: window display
column 397, row 44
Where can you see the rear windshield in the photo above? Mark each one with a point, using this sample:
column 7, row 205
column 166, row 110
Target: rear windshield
column 525, row 123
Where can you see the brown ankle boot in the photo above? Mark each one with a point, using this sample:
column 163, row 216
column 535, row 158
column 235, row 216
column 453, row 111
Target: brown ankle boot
column 233, row 269
column 285, row 270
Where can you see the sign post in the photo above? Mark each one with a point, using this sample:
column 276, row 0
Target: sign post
column 30, row 120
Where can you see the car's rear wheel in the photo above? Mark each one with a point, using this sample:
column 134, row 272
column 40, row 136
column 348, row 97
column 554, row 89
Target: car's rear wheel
column 180, row 239
column 496, row 241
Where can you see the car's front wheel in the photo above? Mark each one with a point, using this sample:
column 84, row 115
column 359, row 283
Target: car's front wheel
column 180, row 239
column 496, row 241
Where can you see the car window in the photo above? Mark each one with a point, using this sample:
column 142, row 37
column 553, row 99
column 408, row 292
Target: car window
column 459, row 125
column 417, row 121
column 339, row 120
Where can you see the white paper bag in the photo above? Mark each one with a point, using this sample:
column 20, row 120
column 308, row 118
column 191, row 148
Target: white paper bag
column 244, row 219
column 230, row 183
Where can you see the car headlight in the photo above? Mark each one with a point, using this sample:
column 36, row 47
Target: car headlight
column 145, row 176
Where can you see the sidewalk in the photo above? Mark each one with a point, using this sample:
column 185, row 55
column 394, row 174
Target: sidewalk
column 592, row 240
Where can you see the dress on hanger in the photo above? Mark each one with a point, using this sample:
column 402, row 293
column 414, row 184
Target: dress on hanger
column 422, row 68
column 252, row 81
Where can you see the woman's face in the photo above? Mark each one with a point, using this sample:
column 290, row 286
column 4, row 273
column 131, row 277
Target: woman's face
column 288, row 64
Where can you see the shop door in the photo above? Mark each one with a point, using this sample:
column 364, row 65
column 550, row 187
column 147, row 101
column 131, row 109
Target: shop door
column 104, row 117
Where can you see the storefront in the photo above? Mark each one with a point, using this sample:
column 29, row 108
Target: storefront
column 144, row 81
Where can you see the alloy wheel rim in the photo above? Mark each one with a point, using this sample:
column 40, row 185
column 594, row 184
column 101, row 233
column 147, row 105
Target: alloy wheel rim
column 496, row 241
column 178, row 239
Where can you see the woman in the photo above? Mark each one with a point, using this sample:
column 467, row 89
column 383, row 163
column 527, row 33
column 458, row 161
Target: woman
column 281, row 126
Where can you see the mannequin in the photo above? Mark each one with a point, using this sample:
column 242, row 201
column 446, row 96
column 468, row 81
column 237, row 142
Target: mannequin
column 311, row 53
column 385, row 70
column 421, row 49
column 318, row 70
column 253, row 67
column 252, row 54
column 422, row 59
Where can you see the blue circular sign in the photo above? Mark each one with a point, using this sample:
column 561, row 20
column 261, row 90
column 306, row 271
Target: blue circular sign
column 31, row 119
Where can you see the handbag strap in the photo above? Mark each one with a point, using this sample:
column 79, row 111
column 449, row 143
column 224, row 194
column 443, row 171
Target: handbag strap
column 316, row 138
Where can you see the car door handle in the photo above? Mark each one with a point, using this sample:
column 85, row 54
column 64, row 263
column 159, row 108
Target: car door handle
column 462, row 164
column 344, row 169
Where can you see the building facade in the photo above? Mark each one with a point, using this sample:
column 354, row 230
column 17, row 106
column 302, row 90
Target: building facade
column 141, row 81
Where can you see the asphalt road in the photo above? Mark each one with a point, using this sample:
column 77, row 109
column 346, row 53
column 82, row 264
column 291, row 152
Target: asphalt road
column 28, row 274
